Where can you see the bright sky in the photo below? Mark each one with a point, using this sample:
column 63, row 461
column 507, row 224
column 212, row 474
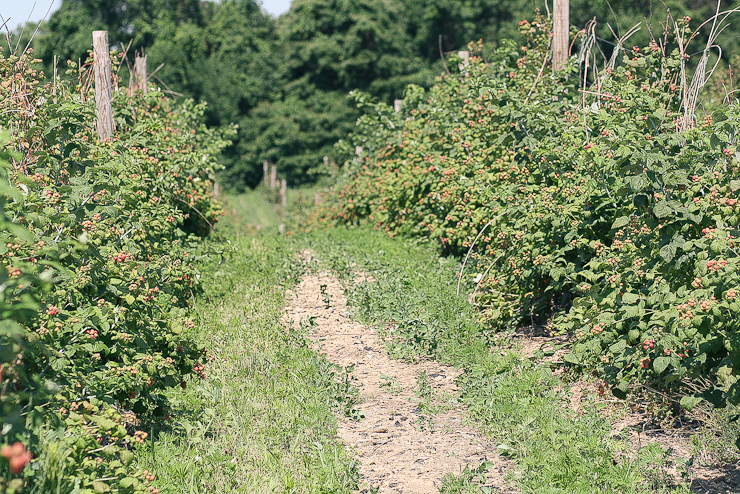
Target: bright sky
column 18, row 11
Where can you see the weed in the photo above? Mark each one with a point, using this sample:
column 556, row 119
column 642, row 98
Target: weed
column 465, row 482
column 390, row 384
column 325, row 296
column 423, row 387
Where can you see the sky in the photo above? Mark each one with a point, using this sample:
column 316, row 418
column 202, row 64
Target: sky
column 18, row 11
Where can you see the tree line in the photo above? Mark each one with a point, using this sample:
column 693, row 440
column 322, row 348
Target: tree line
column 284, row 81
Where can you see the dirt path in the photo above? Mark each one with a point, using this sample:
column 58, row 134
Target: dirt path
column 406, row 444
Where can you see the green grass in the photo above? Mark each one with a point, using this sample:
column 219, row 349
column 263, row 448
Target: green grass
column 248, row 212
column 262, row 421
column 467, row 482
column 522, row 406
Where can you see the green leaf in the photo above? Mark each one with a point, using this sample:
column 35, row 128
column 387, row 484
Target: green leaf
column 689, row 402
column 620, row 390
column 661, row 363
column 618, row 346
column 668, row 252
column 630, row 298
column 100, row 487
column 638, row 182
column 662, row 209
column 620, row 222
column 126, row 457
column 734, row 185
column 127, row 482
column 59, row 364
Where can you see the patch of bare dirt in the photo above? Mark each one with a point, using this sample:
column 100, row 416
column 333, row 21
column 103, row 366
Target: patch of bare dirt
column 401, row 446
column 534, row 339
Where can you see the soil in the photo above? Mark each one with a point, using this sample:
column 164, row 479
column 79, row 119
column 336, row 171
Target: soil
column 402, row 446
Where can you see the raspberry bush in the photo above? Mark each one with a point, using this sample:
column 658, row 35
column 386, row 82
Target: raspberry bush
column 99, row 246
column 602, row 209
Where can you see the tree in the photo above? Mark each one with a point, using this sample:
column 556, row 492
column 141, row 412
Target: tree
column 67, row 32
column 295, row 134
column 346, row 44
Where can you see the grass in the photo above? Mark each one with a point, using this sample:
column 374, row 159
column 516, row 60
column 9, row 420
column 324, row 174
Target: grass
column 390, row 384
column 522, row 406
column 431, row 402
column 467, row 482
column 262, row 421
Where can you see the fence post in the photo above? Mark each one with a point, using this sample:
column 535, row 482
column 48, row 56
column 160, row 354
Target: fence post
column 284, row 192
column 103, row 90
column 140, row 73
column 560, row 33
column 397, row 105
column 273, row 177
column 465, row 56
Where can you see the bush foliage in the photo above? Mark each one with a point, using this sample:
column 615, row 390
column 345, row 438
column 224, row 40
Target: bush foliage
column 98, row 245
column 602, row 209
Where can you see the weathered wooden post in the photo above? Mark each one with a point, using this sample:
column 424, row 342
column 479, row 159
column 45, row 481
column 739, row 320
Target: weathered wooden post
column 140, row 73
column 103, row 89
column 273, row 177
column 266, row 173
column 397, row 105
column 465, row 56
column 284, row 192
column 560, row 33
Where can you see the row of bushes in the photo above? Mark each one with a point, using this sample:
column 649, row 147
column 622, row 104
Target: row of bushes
column 603, row 209
column 99, row 244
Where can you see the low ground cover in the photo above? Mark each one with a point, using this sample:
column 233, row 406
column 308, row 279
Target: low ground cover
column 263, row 419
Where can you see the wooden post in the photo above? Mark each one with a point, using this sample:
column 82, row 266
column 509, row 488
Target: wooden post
column 560, row 33
column 140, row 73
column 266, row 173
column 465, row 56
column 397, row 105
column 103, row 90
column 284, row 192
column 273, row 177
